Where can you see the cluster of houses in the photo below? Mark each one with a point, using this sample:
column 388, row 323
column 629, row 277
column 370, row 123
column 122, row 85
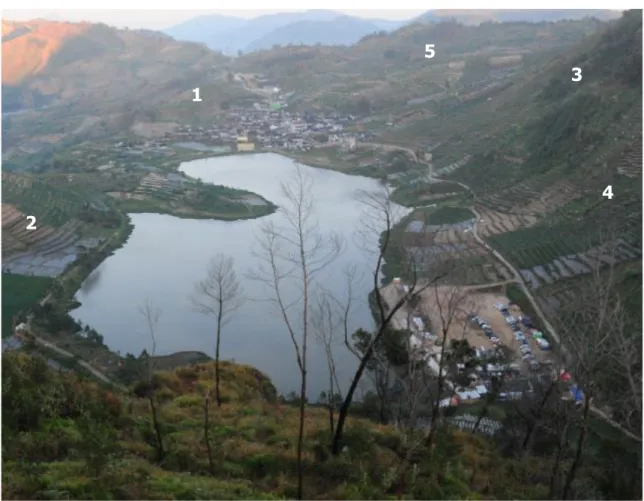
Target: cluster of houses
column 270, row 127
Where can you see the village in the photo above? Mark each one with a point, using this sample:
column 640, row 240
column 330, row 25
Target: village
column 267, row 126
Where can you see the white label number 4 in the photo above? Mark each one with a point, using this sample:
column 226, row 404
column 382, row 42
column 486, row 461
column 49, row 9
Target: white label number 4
column 608, row 192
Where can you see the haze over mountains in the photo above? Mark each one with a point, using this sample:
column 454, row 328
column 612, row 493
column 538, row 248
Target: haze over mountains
column 232, row 34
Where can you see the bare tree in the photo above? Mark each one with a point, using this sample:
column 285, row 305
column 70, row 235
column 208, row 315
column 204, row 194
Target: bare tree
column 379, row 219
column 325, row 327
column 593, row 330
column 294, row 254
column 219, row 295
column 152, row 316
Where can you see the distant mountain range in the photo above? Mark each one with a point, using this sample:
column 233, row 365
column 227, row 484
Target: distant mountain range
column 230, row 34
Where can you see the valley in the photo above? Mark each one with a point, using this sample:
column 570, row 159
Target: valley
column 479, row 185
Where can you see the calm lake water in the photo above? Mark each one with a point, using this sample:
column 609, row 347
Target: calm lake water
column 166, row 256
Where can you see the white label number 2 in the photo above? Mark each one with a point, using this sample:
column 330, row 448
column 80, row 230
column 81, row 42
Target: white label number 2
column 577, row 75
column 197, row 99
column 32, row 223
column 429, row 51
column 608, row 192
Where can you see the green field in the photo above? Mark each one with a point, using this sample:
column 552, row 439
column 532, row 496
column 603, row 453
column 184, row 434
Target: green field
column 410, row 195
column 19, row 293
column 447, row 215
column 51, row 205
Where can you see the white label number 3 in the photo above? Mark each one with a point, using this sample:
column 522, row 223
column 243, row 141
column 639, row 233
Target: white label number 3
column 577, row 74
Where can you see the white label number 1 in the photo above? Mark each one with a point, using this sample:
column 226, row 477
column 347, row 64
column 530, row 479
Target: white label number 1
column 197, row 99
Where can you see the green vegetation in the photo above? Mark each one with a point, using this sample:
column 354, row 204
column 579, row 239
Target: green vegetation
column 51, row 205
column 414, row 194
column 67, row 438
column 19, row 294
column 447, row 215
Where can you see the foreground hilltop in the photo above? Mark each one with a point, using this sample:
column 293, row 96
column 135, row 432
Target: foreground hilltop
column 67, row 438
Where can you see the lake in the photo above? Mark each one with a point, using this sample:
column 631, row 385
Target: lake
column 166, row 256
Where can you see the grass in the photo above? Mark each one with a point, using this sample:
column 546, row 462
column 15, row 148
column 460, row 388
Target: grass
column 19, row 294
column 253, row 436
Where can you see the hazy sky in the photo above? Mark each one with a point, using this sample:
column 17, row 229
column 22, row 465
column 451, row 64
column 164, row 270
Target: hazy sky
column 159, row 19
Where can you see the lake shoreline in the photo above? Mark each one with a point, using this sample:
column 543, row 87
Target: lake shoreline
column 267, row 168
column 71, row 301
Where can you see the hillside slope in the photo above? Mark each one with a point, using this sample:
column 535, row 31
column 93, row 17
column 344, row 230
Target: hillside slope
column 66, row 438
column 73, row 68
column 391, row 70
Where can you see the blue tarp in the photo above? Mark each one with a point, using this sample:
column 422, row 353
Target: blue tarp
column 577, row 394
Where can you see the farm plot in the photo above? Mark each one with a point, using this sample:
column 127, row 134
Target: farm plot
column 49, row 256
column 630, row 165
column 494, row 222
column 50, row 205
column 419, row 193
column 572, row 265
column 551, row 198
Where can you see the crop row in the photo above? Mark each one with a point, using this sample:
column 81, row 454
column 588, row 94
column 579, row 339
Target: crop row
column 51, row 205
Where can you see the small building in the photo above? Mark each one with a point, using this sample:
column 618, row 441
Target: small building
column 418, row 323
column 245, row 146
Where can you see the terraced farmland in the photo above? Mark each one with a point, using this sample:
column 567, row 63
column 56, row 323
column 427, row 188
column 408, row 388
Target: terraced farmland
column 608, row 233
column 49, row 248
column 45, row 251
column 50, row 205
column 477, row 265
column 630, row 165
column 494, row 222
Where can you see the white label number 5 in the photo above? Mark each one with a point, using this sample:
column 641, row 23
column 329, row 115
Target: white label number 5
column 429, row 51
column 577, row 73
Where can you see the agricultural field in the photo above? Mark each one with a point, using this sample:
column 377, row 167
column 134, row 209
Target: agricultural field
column 576, row 238
column 19, row 293
column 448, row 240
column 494, row 222
column 410, row 195
column 46, row 225
column 50, row 205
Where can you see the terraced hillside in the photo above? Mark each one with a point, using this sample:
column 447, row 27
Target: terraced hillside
column 41, row 226
column 392, row 73
column 549, row 149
